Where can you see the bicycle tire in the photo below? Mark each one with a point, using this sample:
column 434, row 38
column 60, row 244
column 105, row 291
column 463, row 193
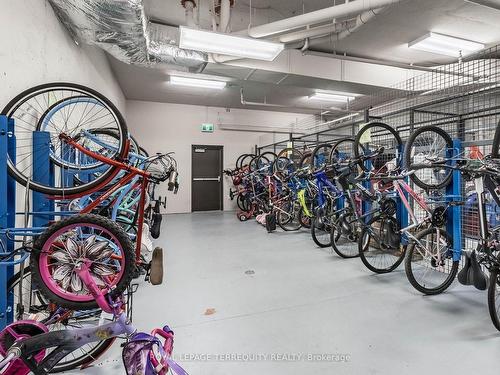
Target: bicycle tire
column 335, row 158
column 318, row 163
column 305, row 160
column 287, row 222
column 336, row 235
column 362, row 251
column 493, row 295
column 408, row 158
column 315, row 235
column 19, row 176
column 125, row 246
column 495, row 148
column 240, row 160
column 360, row 137
column 266, row 159
column 100, row 348
column 409, row 269
column 305, row 220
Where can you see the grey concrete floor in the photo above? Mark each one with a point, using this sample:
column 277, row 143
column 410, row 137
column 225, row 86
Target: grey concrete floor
column 277, row 295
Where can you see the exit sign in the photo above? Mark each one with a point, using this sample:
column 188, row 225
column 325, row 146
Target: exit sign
column 207, row 128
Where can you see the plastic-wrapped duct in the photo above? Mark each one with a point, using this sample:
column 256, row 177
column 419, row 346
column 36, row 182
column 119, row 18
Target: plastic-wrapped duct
column 121, row 28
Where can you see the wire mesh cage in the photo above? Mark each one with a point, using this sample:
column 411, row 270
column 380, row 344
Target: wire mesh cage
column 463, row 99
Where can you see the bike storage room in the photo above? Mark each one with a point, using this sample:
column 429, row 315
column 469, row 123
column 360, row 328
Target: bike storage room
column 241, row 187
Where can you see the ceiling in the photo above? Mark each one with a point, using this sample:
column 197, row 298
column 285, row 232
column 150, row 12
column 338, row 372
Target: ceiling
column 383, row 38
column 283, row 92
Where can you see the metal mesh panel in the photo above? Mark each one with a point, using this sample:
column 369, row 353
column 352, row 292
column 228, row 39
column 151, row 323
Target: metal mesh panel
column 461, row 98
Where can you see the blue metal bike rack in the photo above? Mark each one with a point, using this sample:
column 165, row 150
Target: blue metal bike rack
column 7, row 214
column 43, row 172
column 401, row 211
column 454, row 193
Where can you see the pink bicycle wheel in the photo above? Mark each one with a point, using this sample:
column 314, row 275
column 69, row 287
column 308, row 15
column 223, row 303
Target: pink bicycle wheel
column 65, row 245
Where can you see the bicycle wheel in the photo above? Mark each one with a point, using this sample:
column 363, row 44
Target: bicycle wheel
column 287, row 215
column 495, row 148
column 265, row 162
column 305, row 161
column 426, row 145
column 494, row 296
column 344, row 236
column 380, row 247
column 429, row 264
column 321, row 228
column 342, row 151
column 35, row 303
column 239, row 161
column 320, row 157
column 384, row 141
column 292, row 154
column 305, row 221
column 287, row 161
column 63, row 247
column 57, row 108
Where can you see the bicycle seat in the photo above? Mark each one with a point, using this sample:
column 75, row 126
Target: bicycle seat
column 472, row 274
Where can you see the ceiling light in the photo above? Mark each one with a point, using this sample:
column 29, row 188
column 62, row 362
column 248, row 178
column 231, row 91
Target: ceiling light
column 332, row 97
column 224, row 44
column 196, row 82
column 493, row 4
column 445, row 45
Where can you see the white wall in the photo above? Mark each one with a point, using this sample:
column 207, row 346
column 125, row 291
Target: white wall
column 162, row 127
column 35, row 48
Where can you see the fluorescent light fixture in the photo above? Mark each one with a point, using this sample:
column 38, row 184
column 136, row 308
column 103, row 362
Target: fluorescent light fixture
column 332, row 97
column 224, row 44
column 197, row 82
column 493, row 4
column 445, row 45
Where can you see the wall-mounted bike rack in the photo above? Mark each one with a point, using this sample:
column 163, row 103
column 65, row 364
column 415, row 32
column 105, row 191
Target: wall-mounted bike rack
column 7, row 215
column 453, row 194
column 42, row 211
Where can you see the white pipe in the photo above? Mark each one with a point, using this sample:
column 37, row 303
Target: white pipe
column 360, row 21
column 312, row 33
column 337, row 11
column 214, row 17
column 225, row 15
column 190, row 22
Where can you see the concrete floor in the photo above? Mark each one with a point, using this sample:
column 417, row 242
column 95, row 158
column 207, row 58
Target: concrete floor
column 277, row 295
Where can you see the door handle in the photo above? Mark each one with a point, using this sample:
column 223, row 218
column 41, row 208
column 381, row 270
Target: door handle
column 207, row 179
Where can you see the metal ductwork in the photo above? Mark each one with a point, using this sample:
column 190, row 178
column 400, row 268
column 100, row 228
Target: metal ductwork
column 120, row 27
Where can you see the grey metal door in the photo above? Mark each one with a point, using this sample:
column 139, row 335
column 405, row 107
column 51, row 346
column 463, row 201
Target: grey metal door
column 206, row 186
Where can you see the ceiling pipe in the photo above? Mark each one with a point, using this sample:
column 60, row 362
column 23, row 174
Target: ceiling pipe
column 213, row 15
column 361, row 20
column 314, row 32
column 259, row 129
column 337, row 11
column 264, row 104
column 225, row 15
column 189, row 6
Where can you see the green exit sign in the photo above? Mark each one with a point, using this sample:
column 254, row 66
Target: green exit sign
column 207, row 128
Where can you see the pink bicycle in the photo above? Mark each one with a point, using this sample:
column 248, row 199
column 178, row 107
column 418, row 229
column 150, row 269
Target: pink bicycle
column 24, row 344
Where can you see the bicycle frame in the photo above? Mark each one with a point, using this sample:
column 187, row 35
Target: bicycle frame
column 124, row 181
column 66, row 341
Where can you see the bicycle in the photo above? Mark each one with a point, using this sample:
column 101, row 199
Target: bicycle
column 24, row 343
